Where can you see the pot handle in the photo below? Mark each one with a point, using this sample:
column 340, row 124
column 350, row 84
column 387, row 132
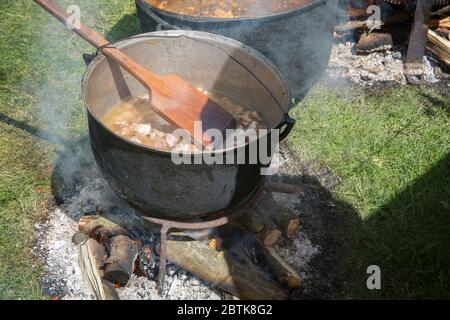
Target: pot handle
column 88, row 57
column 288, row 123
column 162, row 24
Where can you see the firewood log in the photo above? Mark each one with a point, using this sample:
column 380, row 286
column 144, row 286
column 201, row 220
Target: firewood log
column 89, row 224
column 439, row 46
column 440, row 12
column 284, row 273
column 120, row 262
column 270, row 234
column 351, row 25
column 216, row 243
column 285, row 188
column 252, row 221
column 446, row 32
column 286, row 220
column 91, row 256
column 258, row 222
column 439, row 23
column 119, row 245
column 223, row 271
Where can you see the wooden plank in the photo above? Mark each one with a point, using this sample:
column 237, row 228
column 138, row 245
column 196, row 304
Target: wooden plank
column 91, row 255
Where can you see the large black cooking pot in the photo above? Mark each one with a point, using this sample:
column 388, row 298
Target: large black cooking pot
column 148, row 178
column 298, row 41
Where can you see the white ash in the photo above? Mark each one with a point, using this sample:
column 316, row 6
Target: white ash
column 429, row 71
column 62, row 276
column 368, row 69
column 179, row 286
column 299, row 250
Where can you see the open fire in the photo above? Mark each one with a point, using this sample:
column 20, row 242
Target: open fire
column 97, row 246
column 256, row 250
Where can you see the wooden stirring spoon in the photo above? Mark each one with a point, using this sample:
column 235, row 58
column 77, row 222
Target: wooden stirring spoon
column 175, row 99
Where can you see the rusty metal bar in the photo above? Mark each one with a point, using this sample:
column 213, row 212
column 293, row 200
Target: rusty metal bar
column 418, row 36
column 162, row 258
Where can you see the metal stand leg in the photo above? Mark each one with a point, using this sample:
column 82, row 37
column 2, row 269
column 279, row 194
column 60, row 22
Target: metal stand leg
column 417, row 40
column 162, row 259
column 166, row 225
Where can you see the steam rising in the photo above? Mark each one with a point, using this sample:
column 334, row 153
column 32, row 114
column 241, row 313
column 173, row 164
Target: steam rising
column 60, row 108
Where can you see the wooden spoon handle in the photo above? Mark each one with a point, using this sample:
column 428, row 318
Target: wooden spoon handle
column 142, row 74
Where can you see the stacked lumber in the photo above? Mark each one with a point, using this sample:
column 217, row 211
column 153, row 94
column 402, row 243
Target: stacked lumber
column 439, row 47
column 438, row 38
column 398, row 21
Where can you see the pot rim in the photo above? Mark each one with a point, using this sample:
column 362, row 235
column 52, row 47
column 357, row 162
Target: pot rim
column 262, row 18
column 177, row 34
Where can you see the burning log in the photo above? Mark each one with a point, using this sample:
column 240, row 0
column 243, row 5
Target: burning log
column 119, row 246
column 216, row 243
column 223, row 271
column 119, row 265
column 284, row 273
column 269, row 224
column 91, row 256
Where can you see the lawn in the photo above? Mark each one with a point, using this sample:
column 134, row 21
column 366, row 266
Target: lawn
column 40, row 106
column 390, row 150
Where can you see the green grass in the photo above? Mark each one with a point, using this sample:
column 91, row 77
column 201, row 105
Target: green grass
column 391, row 151
column 40, row 71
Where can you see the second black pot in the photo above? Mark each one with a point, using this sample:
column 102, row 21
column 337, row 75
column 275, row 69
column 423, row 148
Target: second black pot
column 298, row 41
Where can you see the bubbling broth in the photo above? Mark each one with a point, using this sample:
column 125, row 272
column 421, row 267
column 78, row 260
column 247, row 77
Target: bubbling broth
column 135, row 119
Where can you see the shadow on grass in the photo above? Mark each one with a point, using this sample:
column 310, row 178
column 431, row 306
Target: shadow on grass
column 37, row 132
column 437, row 102
column 409, row 238
column 126, row 27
